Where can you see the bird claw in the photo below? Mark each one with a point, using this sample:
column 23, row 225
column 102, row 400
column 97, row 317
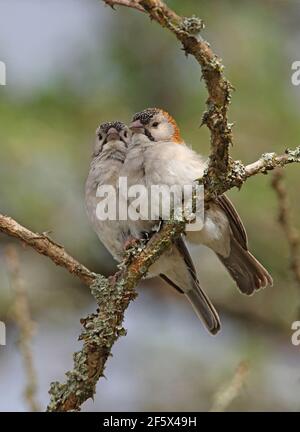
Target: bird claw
column 157, row 227
column 131, row 243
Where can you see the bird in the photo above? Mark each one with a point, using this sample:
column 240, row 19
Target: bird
column 112, row 140
column 174, row 266
column 169, row 160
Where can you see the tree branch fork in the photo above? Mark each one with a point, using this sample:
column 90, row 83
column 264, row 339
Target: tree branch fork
column 113, row 295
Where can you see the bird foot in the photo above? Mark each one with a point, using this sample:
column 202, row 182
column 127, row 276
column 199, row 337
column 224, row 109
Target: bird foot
column 131, row 243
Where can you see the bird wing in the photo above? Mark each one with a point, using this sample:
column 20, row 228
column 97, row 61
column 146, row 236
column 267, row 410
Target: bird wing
column 236, row 224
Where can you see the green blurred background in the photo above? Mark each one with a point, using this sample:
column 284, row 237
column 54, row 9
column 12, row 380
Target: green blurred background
column 72, row 64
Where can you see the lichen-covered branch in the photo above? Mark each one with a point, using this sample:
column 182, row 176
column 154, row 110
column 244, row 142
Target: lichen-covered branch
column 113, row 295
column 270, row 161
column 102, row 329
column 44, row 245
column 222, row 172
column 188, row 32
column 239, row 173
column 285, row 220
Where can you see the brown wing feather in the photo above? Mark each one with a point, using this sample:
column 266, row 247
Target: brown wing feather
column 184, row 252
column 235, row 221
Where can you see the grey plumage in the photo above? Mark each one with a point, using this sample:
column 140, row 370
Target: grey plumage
column 168, row 160
column 175, row 266
column 157, row 155
column 108, row 158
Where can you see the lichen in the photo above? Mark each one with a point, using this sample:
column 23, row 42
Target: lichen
column 294, row 155
column 268, row 157
column 99, row 333
column 192, row 25
column 237, row 173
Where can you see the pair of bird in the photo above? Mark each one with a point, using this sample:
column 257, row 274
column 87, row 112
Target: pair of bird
column 152, row 152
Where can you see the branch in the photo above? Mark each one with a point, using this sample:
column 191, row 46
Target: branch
column 21, row 314
column 113, row 295
column 227, row 394
column 239, row 173
column 270, row 161
column 44, row 245
column 187, row 31
column 101, row 330
column 134, row 4
column 285, row 221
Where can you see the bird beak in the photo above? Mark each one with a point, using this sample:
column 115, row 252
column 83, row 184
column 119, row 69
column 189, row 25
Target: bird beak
column 113, row 134
column 137, row 126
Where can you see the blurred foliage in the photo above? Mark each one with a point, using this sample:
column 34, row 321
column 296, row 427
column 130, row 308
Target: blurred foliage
column 46, row 136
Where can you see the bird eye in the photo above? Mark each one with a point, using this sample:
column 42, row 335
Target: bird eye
column 100, row 136
column 125, row 134
column 155, row 124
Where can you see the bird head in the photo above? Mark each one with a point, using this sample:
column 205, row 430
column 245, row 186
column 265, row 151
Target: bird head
column 157, row 124
column 112, row 135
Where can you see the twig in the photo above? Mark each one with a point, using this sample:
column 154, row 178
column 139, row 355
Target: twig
column 134, row 4
column 227, row 394
column 23, row 319
column 239, row 173
column 285, row 220
column 45, row 246
column 270, row 161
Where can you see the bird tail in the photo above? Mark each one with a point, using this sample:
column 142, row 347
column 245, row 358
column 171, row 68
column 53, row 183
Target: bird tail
column 244, row 268
column 204, row 308
column 200, row 303
column 188, row 284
